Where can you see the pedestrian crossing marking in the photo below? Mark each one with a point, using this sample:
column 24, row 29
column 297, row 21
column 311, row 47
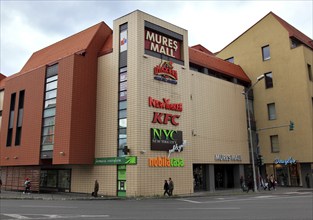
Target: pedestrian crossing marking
column 46, row 216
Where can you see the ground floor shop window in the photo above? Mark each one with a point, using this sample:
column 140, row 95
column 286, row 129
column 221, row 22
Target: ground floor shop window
column 199, row 177
column 56, row 180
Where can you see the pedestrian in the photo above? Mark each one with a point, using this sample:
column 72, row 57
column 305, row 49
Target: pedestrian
column 268, row 185
column 307, row 180
column 170, row 186
column 241, row 183
column 250, row 184
column 27, row 185
column 0, row 184
column 96, row 189
column 272, row 182
column 166, row 187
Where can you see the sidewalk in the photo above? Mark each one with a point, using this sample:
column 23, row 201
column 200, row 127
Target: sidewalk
column 84, row 196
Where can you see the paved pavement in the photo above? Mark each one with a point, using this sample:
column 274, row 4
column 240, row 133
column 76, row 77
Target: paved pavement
column 83, row 196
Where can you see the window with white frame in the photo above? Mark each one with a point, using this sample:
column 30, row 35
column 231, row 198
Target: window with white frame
column 274, row 144
column 266, row 52
column 271, row 111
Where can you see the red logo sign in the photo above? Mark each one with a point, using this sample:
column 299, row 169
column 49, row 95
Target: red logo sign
column 165, row 72
column 165, row 104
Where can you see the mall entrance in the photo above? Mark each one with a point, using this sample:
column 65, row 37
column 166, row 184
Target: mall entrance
column 210, row 177
column 224, row 176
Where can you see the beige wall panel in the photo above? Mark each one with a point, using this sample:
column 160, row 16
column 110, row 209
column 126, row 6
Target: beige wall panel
column 107, row 102
column 219, row 119
column 83, row 179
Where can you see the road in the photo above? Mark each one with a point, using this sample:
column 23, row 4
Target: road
column 287, row 206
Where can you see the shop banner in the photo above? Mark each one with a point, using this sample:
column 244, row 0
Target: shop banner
column 128, row 160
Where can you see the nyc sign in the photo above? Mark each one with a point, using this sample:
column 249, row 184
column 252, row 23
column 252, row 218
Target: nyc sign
column 164, row 140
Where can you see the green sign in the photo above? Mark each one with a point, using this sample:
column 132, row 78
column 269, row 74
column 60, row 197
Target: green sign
column 128, row 160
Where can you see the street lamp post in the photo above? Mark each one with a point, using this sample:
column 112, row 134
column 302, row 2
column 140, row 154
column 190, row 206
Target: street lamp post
column 250, row 130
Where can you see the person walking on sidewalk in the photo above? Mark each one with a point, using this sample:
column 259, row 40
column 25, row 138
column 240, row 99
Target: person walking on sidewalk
column 307, row 180
column 272, row 182
column 165, row 187
column 27, row 185
column 170, row 186
column 96, row 189
column 0, row 184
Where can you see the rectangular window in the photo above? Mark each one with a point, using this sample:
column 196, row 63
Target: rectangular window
column 51, row 94
column 310, row 72
column 266, row 52
column 123, row 77
column 11, row 120
column 122, row 105
column 48, row 139
column 49, row 112
column 48, row 121
column 19, row 118
column 48, row 130
column 268, row 80
column 123, row 86
column 271, row 111
column 123, row 123
column 52, row 70
column 122, row 133
column 51, row 86
column 123, row 95
column 274, row 144
column 50, row 103
column 52, row 78
column 122, row 114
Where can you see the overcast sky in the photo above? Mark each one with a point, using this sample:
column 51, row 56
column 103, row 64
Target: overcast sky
column 28, row 26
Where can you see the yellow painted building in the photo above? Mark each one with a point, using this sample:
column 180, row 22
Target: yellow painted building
column 284, row 55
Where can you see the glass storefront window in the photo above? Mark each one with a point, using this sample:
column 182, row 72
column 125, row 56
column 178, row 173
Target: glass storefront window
column 64, row 179
column 60, row 179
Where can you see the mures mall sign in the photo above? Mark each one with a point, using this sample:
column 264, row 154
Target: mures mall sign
column 162, row 44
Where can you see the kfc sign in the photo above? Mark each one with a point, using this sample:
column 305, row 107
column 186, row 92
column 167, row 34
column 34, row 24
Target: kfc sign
column 162, row 44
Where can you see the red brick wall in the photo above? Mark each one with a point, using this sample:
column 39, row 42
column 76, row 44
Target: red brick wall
column 27, row 153
column 75, row 110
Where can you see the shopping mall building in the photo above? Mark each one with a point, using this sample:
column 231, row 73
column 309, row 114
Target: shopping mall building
column 129, row 107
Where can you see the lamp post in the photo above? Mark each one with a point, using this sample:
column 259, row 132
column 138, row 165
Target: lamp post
column 250, row 130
